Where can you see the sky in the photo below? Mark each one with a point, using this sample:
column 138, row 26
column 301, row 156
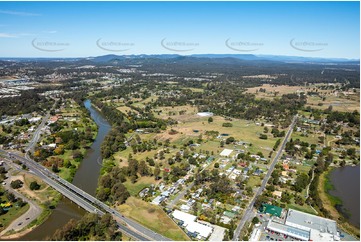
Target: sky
column 83, row 29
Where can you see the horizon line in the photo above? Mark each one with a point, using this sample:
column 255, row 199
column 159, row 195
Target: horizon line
column 245, row 54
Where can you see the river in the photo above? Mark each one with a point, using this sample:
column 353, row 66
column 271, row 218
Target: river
column 346, row 183
column 85, row 178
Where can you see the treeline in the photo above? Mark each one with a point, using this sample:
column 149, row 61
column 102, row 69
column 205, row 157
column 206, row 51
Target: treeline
column 321, row 165
column 114, row 141
column 114, row 116
column 91, row 227
column 28, row 102
column 110, row 186
column 346, row 117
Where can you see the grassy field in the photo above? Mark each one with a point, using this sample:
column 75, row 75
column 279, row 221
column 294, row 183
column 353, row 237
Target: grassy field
column 45, row 193
column 242, row 130
column 126, row 109
column 271, row 89
column 12, row 214
column 187, row 112
column 138, row 102
column 193, row 89
column 311, row 138
column 305, row 208
column 153, row 217
column 339, row 101
column 254, row 181
column 142, row 182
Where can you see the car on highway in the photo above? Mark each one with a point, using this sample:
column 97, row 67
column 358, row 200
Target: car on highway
column 27, row 218
column 20, row 223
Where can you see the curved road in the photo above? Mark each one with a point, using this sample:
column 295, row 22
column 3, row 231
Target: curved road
column 32, row 213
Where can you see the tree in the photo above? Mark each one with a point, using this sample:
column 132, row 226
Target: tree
column 55, row 168
column 89, row 227
column 255, row 220
column 263, row 136
column 34, row 186
column 301, row 182
column 16, row 184
column 20, row 202
column 156, row 172
column 11, row 197
column 132, row 167
column 210, row 120
column 230, row 140
column 143, row 168
column 120, row 193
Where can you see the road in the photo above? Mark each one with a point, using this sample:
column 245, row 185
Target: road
column 32, row 213
column 37, row 132
column 78, row 196
column 249, row 211
column 87, row 201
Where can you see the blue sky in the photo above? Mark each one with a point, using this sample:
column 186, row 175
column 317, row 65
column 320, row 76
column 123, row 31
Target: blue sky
column 80, row 29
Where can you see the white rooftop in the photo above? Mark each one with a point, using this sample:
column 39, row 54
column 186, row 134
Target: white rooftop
column 191, row 225
column 308, row 221
column 199, row 228
column 226, row 152
column 205, row 114
column 185, row 217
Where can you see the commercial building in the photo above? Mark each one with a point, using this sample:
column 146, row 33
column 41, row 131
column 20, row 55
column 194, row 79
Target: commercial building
column 256, row 234
column 195, row 229
column 304, row 226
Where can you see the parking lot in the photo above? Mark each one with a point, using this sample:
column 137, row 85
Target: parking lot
column 272, row 236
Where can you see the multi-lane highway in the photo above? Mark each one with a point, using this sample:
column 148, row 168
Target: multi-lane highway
column 249, row 211
column 87, row 201
column 80, row 197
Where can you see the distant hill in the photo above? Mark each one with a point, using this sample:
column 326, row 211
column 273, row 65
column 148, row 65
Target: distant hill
column 246, row 57
column 225, row 57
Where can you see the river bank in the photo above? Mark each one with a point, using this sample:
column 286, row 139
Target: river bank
column 86, row 178
column 330, row 202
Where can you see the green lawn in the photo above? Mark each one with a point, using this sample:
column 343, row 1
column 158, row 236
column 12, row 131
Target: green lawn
column 305, row 208
column 254, row 181
column 152, row 217
column 142, row 182
column 311, row 138
column 12, row 214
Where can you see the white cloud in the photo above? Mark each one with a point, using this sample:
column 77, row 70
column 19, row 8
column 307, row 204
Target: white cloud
column 26, row 34
column 18, row 13
column 6, row 35
column 50, row 32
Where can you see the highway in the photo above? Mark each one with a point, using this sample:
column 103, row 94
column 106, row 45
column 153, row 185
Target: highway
column 249, row 211
column 86, row 201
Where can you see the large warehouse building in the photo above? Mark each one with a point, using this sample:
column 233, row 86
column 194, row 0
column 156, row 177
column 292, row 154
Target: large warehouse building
column 304, row 226
column 188, row 221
